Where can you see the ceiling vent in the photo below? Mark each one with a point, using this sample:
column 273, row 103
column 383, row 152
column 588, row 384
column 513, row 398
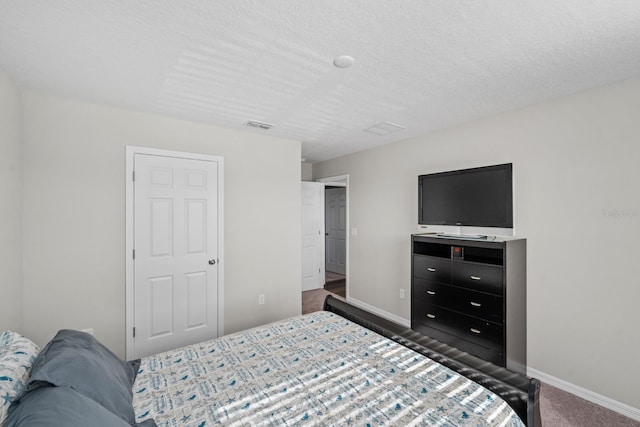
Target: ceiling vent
column 384, row 128
column 259, row 125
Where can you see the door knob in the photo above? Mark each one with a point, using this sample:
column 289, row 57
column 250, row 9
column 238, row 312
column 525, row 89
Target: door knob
column 212, row 261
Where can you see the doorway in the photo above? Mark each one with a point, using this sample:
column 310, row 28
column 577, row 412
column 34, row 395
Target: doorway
column 336, row 231
column 335, row 239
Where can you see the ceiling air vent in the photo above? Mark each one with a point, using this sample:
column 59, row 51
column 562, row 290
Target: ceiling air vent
column 384, row 128
column 259, row 125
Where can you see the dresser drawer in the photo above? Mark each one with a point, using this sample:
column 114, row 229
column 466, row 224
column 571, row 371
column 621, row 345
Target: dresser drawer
column 478, row 331
column 479, row 277
column 492, row 355
column 478, row 304
column 432, row 268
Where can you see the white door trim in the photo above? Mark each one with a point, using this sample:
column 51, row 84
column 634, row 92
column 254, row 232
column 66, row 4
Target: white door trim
column 131, row 151
column 341, row 181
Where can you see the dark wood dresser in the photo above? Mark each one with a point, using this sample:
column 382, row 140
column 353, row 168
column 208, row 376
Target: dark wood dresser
column 471, row 294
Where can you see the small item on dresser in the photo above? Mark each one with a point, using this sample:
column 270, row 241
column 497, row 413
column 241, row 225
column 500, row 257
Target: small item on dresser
column 457, row 252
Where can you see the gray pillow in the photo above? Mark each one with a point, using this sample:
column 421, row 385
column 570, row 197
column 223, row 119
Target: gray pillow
column 60, row 406
column 77, row 360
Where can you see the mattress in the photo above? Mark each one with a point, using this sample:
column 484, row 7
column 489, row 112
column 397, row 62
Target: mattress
column 315, row 369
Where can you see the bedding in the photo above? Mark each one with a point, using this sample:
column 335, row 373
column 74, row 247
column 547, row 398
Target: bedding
column 315, row 369
column 17, row 355
column 77, row 360
column 76, row 381
column 61, row 406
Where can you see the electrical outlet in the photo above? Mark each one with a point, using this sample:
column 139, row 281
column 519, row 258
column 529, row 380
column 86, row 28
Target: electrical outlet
column 402, row 294
column 261, row 299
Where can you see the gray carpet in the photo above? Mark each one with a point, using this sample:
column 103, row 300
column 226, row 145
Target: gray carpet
column 314, row 300
column 558, row 408
column 562, row 409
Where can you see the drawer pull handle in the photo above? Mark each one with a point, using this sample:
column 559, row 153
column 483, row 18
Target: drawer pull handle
column 476, row 304
column 431, row 292
column 432, row 270
column 475, row 331
column 475, row 277
column 431, row 316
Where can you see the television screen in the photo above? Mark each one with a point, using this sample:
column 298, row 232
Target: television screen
column 478, row 197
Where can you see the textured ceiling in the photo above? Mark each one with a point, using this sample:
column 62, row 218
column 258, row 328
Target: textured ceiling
column 423, row 65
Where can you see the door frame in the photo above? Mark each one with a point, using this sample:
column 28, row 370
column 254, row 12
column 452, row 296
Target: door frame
column 339, row 181
column 131, row 151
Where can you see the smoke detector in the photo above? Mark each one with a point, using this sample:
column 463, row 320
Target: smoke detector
column 343, row 61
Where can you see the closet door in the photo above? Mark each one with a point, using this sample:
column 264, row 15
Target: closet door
column 176, row 263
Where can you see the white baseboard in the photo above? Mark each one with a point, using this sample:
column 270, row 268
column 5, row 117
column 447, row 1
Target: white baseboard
column 375, row 310
column 607, row 402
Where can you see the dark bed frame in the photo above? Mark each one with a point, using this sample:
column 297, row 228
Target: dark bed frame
column 520, row 392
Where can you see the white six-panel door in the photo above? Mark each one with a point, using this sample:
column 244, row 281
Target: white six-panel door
column 312, row 239
column 176, row 261
column 336, row 231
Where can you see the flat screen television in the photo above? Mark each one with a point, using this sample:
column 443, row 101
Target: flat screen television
column 477, row 197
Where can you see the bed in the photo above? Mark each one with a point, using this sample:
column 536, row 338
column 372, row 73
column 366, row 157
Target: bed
column 340, row 366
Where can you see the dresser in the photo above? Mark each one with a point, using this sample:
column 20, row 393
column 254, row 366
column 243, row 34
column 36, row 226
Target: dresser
column 471, row 294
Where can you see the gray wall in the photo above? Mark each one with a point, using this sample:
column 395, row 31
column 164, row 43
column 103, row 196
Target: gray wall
column 11, row 205
column 74, row 216
column 577, row 201
column 307, row 171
